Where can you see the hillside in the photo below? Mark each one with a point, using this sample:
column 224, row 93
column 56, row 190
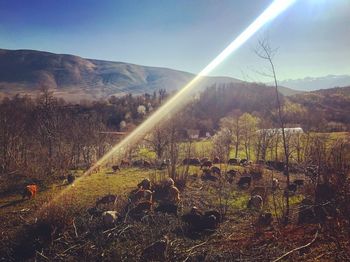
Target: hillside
column 332, row 106
column 76, row 78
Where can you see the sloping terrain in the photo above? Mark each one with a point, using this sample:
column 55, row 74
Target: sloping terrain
column 76, row 78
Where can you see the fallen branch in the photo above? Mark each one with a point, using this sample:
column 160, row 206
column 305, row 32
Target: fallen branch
column 201, row 244
column 298, row 248
column 75, row 229
column 191, row 249
column 42, row 255
column 110, row 230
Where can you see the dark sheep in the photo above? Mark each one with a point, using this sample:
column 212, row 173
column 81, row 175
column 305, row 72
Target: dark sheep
column 198, row 221
column 107, row 199
column 204, row 159
column 146, row 164
column 156, row 251
column 261, row 162
column 70, row 178
column 259, row 190
column 324, row 193
column 243, row 162
column 125, row 163
column 298, row 182
column 306, row 212
column 233, row 161
column 207, row 164
column 255, row 202
column 137, row 163
column 115, row 168
column 195, row 162
column 265, row 219
column 208, row 176
column 145, row 184
column 244, row 182
column 216, row 160
column 167, row 208
column 292, row 188
column 232, row 172
column 140, row 210
column 215, row 170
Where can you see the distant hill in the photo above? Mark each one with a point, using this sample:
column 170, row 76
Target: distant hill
column 316, row 83
column 76, row 78
column 329, row 105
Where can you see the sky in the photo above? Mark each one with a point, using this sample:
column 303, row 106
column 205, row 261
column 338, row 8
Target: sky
column 312, row 37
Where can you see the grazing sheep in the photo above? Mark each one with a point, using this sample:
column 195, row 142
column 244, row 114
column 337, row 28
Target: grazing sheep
column 145, row 184
column 168, row 196
column 147, row 164
column 156, row 251
column 207, row 176
column 167, row 208
column 195, row 161
column 275, row 184
column 199, row 221
column 261, row 162
column 243, row 162
column 124, row 163
column 230, row 175
column 29, row 191
column 325, row 197
column 265, row 219
column 109, row 218
column 259, row 190
column 141, row 209
column 70, row 178
column 216, row 160
column 107, row 199
column 234, row 161
column 204, row 159
column 214, row 213
column 292, row 188
column 298, row 182
column 137, row 163
column 306, row 212
column 312, row 172
column 255, row 202
column 232, row 172
column 244, row 181
column 142, row 195
column 207, row 164
column 215, row 170
column 94, row 211
column 115, row 168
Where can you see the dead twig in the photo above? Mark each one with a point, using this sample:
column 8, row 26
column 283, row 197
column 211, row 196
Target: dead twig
column 192, row 248
column 75, row 229
column 298, row 248
column 110, row 230
column 42, row 255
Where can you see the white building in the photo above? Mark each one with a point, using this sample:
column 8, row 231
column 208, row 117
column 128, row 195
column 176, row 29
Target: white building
column 287, row 130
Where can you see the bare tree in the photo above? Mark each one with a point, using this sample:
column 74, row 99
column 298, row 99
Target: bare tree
column 267, row 53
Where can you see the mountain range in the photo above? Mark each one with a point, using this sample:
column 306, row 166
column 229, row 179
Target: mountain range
column 317, row 83
column 76, row 78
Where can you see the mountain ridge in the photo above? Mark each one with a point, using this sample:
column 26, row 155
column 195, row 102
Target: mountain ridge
column 75, row 78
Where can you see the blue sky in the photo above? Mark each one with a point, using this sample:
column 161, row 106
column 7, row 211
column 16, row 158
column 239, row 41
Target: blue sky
column 313, row 36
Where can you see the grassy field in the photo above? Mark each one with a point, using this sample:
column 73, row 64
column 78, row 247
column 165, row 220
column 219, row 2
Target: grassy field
column 236, row 234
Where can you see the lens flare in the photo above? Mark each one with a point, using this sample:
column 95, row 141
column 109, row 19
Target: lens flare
column 184, row 95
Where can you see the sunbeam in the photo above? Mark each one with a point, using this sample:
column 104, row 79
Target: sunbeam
column 181, row 97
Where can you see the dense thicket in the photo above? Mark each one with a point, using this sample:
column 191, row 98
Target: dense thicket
column 45, row 136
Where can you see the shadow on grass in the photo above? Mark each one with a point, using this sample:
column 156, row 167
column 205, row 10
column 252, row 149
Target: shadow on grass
column 13, row 203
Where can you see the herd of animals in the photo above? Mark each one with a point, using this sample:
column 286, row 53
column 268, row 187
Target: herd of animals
column 149, row 198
